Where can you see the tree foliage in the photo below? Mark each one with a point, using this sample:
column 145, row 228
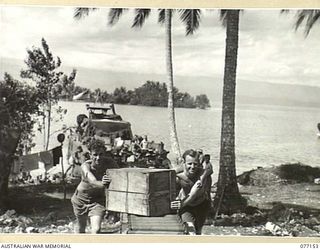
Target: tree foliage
column 202, row 101
column 149, row 94
column 67, row 85
column 18, row 103
column 121, row 96
column 43, row 70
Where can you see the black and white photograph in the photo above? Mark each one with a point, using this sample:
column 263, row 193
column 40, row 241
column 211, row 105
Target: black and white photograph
column 159, row 121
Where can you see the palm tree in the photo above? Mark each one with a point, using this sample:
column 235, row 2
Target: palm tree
column 173, row 130
column 191, row 18
column 228, row 198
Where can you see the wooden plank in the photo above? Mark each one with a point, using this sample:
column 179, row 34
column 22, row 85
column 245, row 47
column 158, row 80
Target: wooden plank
column 164, row 223
column 141, row 204
column 164, row 219
column 142, row 180
column 156, row 232
column 156, row 227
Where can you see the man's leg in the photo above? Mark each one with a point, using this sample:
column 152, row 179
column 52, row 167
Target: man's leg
column 189, row 220
column 79, row 210
column 201, row 213
column 95, row 221
column 81, row 224
column 96, row 214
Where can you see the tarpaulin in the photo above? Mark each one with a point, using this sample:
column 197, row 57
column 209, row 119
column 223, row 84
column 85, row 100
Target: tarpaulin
column 29, row 162
column 46, row 157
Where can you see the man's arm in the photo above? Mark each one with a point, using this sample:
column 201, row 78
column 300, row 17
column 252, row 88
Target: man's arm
column 196, row 191
column 92, row 179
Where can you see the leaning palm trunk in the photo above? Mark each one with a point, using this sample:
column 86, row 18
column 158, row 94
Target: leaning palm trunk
column 172, row 122
column 228, row 198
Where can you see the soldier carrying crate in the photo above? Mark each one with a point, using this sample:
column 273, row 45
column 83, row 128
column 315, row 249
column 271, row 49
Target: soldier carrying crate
column 193, row 184
column 88, row 199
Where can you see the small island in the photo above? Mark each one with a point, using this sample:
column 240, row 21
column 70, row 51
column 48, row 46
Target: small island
column 151, row 93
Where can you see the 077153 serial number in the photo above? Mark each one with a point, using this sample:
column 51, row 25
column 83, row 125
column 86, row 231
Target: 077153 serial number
column 309, row 245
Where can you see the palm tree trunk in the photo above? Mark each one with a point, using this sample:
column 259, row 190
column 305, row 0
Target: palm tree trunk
column 172, row 122
column 228, row 198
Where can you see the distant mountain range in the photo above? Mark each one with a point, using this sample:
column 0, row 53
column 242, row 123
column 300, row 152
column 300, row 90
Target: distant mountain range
column 248, row 92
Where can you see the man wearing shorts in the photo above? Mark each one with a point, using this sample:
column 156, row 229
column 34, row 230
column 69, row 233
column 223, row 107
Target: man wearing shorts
column 89, row 197
column 193, row 201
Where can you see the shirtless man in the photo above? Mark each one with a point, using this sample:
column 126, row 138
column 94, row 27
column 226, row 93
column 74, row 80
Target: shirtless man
column 89, row 197
column 193, row 201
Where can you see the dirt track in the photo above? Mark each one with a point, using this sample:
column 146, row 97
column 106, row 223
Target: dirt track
column 281, row 209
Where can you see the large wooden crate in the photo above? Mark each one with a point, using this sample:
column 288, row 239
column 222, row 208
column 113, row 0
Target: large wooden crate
column 141, row 191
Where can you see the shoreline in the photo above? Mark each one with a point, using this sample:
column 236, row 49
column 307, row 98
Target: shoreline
column 258, row 152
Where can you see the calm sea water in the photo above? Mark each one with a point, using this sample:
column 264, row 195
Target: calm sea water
column 265, row 135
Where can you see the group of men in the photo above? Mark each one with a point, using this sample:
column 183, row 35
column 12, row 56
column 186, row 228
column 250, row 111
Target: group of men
column 193, row 186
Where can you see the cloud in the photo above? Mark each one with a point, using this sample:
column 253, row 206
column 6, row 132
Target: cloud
column 269, row 49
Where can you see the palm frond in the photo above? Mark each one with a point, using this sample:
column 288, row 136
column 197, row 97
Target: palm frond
column 140, row 17
column 114, row 15
column 80, row 13
column 223, row 17
column 310, row 17
column 161, row 16
column 300, row 19
column 284, row 11
column 191, row 18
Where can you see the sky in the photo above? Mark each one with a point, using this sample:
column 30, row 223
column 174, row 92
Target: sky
column 269, row 48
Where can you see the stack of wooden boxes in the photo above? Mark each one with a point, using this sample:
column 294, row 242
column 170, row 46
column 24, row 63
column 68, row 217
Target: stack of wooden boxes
column 141, row 191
